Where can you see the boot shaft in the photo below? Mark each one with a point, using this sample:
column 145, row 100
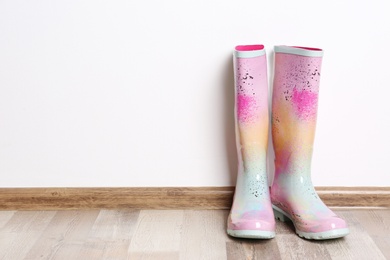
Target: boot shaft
column 252, row 121
column 251, row 96
column 294, row 116
column 294, row 106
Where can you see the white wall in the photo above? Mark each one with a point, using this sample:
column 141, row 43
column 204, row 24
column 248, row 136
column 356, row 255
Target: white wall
column 140, row 93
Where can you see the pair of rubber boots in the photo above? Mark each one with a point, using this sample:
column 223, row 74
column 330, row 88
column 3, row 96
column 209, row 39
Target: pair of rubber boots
column 294, row 113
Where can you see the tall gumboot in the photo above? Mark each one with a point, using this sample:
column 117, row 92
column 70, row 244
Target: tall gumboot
column 294, row 116
column 251, row 215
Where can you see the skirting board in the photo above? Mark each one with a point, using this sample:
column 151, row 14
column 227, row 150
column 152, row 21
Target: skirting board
column 167, row 197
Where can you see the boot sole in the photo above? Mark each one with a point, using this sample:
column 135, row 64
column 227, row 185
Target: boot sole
column 284, row 217
column 252, row 234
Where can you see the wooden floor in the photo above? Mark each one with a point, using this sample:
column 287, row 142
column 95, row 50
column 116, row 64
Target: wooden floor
column 177, row 234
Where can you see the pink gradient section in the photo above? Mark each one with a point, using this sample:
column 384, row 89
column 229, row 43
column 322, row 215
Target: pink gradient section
column 246, row 108
column 305, row 103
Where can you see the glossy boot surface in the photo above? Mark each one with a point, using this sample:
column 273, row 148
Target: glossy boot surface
column 251, row 215
column 294, row 114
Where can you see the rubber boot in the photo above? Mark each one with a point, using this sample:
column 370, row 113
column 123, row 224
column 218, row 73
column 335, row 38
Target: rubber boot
column 294, row 115
column 251, row 214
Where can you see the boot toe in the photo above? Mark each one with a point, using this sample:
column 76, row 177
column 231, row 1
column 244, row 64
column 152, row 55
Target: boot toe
column 252, row 225
column 252, row 221
column 334, row 223
column 325, row 225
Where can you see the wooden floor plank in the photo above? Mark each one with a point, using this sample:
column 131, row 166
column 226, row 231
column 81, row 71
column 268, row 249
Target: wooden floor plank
column 107, row 250
column 110, row 235
column 76, row 233
column 115, row 225
column 203, row 234
column 377, row 224
column 157, row 235
column 253, row 249
column 5, row 216
column 293, row 247
column 357, row 245
column 21, row 232
column 64, row 236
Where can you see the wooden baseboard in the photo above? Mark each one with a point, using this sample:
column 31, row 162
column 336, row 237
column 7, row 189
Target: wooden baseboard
column 167, row 197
